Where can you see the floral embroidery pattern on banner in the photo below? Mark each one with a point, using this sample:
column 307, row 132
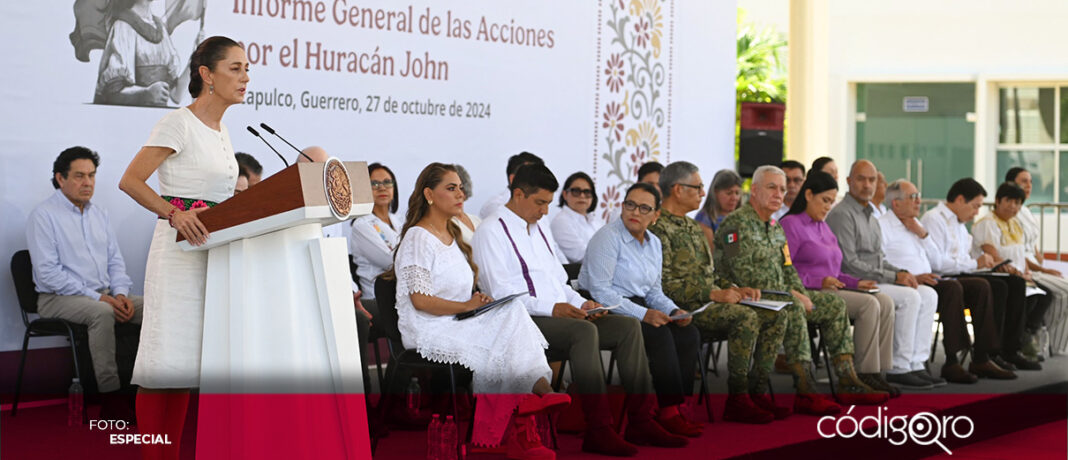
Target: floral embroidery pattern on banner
column 633, row 97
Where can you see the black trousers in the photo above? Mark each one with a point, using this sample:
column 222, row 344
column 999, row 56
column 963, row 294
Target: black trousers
column 1010, row 309
column 672, row 352
column 975, row 294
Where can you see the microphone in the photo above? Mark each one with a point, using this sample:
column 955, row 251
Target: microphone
column 268, row 129
column 257, row 134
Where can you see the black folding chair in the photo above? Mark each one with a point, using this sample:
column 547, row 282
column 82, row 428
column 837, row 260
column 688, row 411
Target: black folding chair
column 77, row 334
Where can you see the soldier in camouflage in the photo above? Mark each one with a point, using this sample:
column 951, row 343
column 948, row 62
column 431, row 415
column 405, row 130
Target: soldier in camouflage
column 751, row 249
column 689, row 281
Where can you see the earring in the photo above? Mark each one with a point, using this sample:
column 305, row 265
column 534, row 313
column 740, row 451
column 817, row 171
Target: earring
column 431, row 202
column 211, row 89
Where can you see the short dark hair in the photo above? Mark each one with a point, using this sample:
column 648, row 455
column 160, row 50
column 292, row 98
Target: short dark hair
column 820, row 162
column 529, row 178
column 1011, row 191
column 520, row 159
column 573, row 178
column 649, row 167
column 967, row 187
column 817, row 181
column 208, row 53
column 791, row 164
column 1010, row 175
column 394, row 203
column 248, row 164
column 646, row 187
column 66, row 157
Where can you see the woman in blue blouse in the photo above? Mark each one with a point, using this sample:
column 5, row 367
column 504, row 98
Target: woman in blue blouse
column 622, row 267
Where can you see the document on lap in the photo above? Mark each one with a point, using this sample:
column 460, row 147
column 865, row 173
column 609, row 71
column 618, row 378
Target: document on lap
column 866, row 291
column 597, row 310
column 773, row 305
column 690, row 314
column 487, row 307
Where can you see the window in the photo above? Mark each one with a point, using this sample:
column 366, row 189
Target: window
column 1033, row 133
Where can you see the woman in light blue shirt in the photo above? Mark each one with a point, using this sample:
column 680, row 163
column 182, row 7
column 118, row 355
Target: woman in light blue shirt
column 622, row 266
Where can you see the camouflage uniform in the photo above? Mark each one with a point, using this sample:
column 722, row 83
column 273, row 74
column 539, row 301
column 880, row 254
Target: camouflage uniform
column 688, row 279
column 753, row 253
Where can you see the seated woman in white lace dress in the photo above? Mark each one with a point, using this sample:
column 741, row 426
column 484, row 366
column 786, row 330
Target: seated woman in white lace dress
column 503, row 348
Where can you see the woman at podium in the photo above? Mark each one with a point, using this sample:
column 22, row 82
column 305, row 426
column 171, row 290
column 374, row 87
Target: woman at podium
column 503, row 348
column 190, row 151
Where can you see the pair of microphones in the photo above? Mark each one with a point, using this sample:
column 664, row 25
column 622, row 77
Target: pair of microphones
column 270, row 130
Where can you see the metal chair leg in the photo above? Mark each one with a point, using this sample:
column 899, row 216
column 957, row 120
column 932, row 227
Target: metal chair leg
column 934, row 344
column 18, row 380
column 378, row 365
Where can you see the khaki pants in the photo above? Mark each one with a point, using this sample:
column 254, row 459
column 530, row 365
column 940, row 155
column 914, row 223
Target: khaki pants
column 99, row 317
column 873, row 329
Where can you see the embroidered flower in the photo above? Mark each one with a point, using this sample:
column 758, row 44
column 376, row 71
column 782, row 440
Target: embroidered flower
column 641, row 29
column 178, row 203
column 614, row 70
column 609, row 201
column 613, row 120
column 198, row 204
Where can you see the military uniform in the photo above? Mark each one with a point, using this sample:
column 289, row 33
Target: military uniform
column 754, row 253
column 688, row 279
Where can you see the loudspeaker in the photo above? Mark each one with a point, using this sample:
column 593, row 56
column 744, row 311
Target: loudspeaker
column 760, row 141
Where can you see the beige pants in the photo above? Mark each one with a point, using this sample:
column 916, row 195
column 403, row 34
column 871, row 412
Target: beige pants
column 99, row 317
column 873, row 329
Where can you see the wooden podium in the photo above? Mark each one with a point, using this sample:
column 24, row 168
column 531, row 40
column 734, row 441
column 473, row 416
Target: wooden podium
column 280, row 363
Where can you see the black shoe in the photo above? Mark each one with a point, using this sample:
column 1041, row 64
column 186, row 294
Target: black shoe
column 1023, row 363
column 997, row 359
column 910, row 380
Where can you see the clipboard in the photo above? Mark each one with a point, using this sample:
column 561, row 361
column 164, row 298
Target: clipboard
column 487, row 307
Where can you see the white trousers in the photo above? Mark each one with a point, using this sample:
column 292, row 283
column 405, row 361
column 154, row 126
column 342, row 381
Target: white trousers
column 914, row 311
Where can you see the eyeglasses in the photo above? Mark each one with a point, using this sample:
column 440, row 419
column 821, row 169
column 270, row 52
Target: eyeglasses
column 384, row 184
column 586, row 192
column 642, row 209
column 913, row 196
column 697, row 187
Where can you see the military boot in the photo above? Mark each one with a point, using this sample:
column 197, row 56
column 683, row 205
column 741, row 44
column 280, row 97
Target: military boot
column 808, row 401
column 851, row 390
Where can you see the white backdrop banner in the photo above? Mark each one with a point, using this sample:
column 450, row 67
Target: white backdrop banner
column 599, row 86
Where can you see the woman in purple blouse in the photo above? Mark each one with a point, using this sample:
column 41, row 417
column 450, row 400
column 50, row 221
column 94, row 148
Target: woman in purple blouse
column 815, row 253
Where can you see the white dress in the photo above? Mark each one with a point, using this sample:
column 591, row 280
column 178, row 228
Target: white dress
column 503, row 348
column 372, row 244
column 202, row 167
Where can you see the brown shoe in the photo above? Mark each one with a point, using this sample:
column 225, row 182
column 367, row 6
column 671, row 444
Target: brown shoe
column 988, row 369
column 955, row 373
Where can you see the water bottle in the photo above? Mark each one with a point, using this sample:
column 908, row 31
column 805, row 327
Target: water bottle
column 449, row 439
column 75, row 400
column 433, row 439
column 1043, row 342
column 413, row 398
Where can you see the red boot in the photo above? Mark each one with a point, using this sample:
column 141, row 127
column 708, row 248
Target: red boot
column 815, row 404
column 740, row 408
column 524, row 442
column 764, row 401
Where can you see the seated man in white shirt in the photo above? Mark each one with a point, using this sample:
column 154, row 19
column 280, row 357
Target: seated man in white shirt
column 515, row 255
column 514, row 162
column 78, row 268
column 908, row 245
column 946, row 224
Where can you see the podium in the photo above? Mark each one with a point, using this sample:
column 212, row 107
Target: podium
column 280, row 363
